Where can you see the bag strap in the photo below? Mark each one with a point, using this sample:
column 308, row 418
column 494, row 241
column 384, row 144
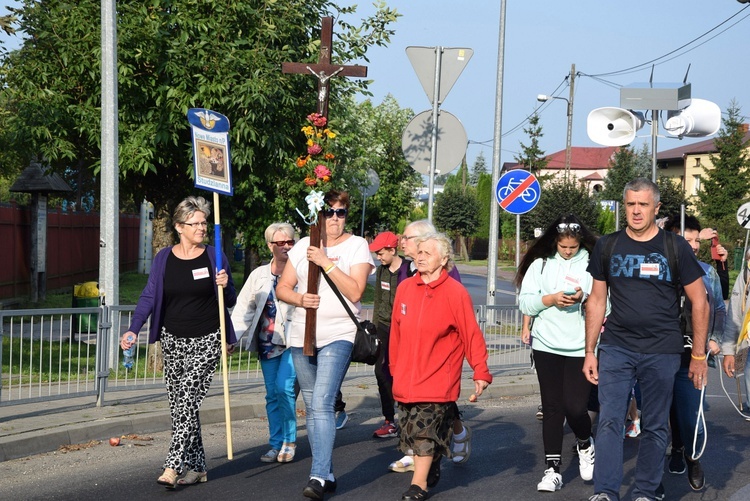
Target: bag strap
column 341, row 298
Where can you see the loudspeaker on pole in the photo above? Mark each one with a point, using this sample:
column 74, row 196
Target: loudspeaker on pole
column 701, row 118
column 613, row 126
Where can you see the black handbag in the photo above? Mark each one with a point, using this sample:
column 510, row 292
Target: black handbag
column 367, row 346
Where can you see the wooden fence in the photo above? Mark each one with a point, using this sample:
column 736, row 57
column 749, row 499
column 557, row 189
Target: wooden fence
column 72, row 248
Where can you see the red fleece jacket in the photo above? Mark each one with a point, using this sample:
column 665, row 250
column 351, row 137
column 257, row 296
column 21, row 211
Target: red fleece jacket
column 432, row 328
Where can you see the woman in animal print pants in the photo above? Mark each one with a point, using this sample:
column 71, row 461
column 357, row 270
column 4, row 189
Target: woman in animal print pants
column 181, row 297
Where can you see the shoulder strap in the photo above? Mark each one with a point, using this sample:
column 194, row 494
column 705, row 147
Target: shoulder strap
column 609, row 245
column 341, row 298
column 670, row 248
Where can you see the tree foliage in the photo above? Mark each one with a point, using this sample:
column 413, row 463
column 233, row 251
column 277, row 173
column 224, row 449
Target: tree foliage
column 560, row 197
column 725, row 187
column 532, row 157
column 485, row 199
column 479, row 168
column 623, row 168
column 373, row 141
column 456, row 213
column 174, row 55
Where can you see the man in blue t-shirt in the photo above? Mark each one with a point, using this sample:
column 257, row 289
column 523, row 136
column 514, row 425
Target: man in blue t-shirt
column 642, row 339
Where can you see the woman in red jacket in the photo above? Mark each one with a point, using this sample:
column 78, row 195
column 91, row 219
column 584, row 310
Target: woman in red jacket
column 432, row 329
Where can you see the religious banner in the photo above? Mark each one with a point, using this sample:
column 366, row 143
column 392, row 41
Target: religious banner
column 212, row 167
column 213, row 172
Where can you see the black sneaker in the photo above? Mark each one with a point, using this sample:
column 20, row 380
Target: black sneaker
column 659, row 495
column 695, row 475
column 677, row 461
column 415, row 493
column 314, row 489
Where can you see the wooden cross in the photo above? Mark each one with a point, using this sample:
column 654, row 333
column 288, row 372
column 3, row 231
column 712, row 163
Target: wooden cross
column 323, row 70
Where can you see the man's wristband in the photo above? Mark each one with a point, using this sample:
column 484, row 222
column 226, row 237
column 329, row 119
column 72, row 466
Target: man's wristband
column 329, row 269
column 701, row 357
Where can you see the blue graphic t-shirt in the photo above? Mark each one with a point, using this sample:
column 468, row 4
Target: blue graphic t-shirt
column 643, row 294
column 266, row 348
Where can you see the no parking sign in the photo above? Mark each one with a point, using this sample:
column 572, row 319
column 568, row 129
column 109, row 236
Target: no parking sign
column 518, row 191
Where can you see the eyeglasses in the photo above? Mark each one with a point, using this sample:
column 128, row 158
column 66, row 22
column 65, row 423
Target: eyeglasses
column 282, row 243
column 404, row 237
column 202, row 224
column 573, row 227
column 340, row 213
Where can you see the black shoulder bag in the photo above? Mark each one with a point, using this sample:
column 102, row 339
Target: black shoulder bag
column 366, row 343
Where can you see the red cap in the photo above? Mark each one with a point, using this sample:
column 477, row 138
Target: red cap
column 383, row 240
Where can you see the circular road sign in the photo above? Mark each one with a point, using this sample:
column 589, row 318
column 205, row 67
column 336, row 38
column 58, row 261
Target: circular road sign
column 371, row 185
column 416, row 142
column 518, row 191
column 743, row 216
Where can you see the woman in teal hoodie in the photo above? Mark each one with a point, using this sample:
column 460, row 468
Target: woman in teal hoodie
column 554, row 284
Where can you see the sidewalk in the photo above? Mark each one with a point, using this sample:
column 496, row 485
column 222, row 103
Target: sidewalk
column 45, row 425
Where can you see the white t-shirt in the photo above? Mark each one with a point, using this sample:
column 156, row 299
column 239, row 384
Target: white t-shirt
column 333, row 322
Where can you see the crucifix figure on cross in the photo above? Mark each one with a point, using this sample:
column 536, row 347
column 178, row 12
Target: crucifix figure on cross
column 323, row 70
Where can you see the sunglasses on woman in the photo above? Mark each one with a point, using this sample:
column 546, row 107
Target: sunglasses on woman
column 340, row 213
column 573, row 227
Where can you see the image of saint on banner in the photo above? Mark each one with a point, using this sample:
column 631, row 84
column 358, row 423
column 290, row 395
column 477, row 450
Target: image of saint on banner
column 518, row 191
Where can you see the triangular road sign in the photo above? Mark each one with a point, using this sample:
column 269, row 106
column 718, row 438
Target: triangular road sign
column 452, row 63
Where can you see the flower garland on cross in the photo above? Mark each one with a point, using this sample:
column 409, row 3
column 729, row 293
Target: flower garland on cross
column 318, row 164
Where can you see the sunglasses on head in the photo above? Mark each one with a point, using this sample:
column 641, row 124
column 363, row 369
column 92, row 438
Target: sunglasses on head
column 340, row 213
column 573, row 227
column 282, row 243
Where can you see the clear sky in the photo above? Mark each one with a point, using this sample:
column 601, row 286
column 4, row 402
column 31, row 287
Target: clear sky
column 542, row 39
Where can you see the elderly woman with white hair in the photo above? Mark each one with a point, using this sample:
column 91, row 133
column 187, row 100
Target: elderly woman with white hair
column 261, row 315
column 736, row 324
column 432, row 329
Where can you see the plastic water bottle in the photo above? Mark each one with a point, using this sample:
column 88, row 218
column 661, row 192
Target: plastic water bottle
column 128, row 356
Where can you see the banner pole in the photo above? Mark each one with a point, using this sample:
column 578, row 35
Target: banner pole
column 222, row 326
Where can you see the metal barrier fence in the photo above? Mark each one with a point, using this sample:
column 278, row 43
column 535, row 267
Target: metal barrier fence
column 52, row 353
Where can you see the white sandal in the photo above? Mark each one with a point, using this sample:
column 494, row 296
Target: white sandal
column 462, row 455
column 403, row 465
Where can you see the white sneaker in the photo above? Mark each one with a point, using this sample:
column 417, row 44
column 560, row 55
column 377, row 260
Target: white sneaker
column 586, row 461
column 551, row 481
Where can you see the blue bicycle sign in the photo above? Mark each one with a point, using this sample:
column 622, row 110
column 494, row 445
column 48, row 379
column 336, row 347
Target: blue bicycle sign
column 518, row 191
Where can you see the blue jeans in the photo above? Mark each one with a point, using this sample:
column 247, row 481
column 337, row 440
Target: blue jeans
column 320, row 378
column 279, row 376
column 619, row 369
column 685, row 405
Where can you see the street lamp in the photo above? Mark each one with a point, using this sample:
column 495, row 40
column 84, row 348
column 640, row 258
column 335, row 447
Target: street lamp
column 544, row 98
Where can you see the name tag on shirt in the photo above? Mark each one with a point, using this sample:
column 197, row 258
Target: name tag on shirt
column 403, row 308
column 200, row 273
column 386, row 286
column 571, row 282
column 649, row 269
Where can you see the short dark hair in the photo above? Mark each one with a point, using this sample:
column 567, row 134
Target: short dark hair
column 691, row 223
column 337, row 196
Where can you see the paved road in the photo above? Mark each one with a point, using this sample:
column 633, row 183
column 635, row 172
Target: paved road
column 506, row 464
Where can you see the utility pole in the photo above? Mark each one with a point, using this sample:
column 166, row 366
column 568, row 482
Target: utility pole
column 569, row 139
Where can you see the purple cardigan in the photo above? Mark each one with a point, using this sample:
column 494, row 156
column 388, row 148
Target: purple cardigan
column 151, row 302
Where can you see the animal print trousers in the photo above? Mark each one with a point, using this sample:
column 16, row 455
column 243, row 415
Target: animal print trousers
column 189, row 366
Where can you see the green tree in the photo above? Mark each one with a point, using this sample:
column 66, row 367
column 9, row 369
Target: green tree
column 373, row 141
column 456, row 213
column 172, row 56
column 672, row 196
column 458, row 181
column 479, row 168
column 532, row 157
column 622, row 169
column 725, row 187
column 560, row 197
